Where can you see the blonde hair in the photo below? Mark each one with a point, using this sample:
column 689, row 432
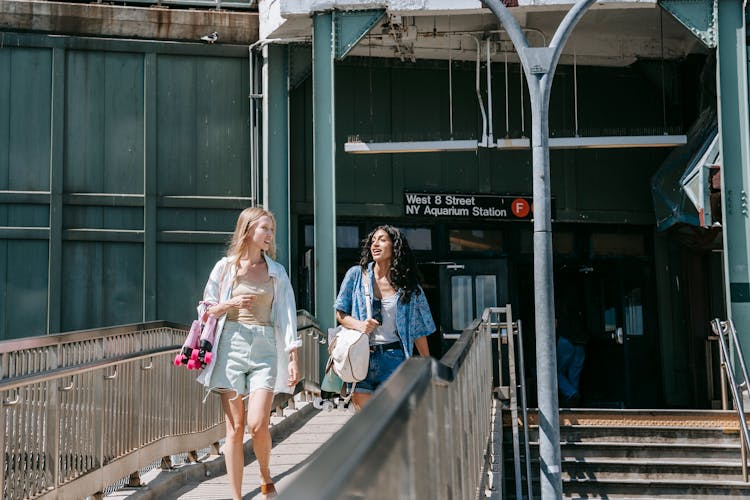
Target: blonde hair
column 245, row 222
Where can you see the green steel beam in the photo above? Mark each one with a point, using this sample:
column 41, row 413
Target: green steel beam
column 696, row 15
column 324, row 168
column 54, row 273
column 732, row 69
column 300, row 64
column 351, row 26
column 276, row 145
column 150, row 190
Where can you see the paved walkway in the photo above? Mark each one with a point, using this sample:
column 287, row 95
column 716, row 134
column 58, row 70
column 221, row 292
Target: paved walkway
column 303, row 432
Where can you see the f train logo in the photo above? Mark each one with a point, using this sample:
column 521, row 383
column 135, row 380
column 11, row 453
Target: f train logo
column 520, row 208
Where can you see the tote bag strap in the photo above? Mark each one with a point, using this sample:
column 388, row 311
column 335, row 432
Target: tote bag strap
column 366, row 288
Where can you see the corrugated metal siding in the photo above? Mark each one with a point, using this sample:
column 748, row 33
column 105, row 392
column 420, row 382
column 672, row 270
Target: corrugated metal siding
column 123, row 166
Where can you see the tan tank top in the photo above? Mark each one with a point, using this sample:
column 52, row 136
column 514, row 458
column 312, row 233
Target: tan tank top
column 260, row 312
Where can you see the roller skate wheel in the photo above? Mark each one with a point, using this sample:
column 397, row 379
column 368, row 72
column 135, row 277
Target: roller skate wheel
column 209, row 356
column 191, row 365
column 178, row 360
column 194, row 354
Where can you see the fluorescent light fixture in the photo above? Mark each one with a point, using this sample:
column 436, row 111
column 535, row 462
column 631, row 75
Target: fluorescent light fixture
column 358, row 147
column 616, row 141
column 513, row 143
column 606, row 142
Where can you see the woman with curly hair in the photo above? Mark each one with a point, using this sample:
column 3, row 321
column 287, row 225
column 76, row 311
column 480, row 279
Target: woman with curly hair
column 401, row 317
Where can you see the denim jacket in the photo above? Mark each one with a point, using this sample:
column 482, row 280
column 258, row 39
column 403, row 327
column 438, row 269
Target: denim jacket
column 413, row 320
column 283, row 314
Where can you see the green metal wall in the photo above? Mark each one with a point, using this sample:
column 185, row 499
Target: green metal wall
column 123, row 166
column 391, row 101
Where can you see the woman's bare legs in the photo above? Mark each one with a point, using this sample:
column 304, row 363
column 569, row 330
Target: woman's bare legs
column 258, row 418
column 360, row 399
column 234, row 410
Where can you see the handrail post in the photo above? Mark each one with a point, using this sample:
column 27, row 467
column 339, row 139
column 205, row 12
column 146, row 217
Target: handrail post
column 524, row 407
column 726, row 334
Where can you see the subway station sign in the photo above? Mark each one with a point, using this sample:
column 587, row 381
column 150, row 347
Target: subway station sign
column 468, row 206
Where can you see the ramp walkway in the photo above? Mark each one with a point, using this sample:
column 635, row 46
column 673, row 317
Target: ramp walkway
column 88, row 413
column 296, row 436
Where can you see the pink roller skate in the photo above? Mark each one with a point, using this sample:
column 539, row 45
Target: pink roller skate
column 190, row 346
column 202, row 356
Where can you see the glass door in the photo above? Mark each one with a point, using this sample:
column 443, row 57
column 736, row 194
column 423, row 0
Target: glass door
column 467, row 287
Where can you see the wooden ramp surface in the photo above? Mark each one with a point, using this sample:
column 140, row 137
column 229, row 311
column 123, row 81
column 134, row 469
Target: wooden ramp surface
column 293, row 444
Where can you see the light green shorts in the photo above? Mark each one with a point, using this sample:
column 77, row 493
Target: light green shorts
column 245, row 359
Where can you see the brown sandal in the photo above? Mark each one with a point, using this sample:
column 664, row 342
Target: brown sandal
column 269, row 490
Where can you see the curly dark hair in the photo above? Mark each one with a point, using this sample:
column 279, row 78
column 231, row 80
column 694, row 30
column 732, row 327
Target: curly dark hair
column 403, row 274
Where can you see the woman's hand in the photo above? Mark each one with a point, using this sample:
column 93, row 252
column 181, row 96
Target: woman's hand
column 238, row 302
column 368, row 326
column 241, row 301
column 293, row 369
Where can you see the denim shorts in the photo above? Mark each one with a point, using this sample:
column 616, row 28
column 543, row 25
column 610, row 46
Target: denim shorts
column 245, row 359
column 382, row 366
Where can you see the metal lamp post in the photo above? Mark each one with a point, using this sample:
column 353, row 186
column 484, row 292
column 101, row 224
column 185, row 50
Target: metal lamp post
column 539, row 65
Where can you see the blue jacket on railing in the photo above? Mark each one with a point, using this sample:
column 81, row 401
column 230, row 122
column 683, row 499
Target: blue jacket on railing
column 413, row 320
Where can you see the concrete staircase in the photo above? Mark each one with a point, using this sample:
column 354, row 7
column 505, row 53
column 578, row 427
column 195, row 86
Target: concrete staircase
column 630, row 454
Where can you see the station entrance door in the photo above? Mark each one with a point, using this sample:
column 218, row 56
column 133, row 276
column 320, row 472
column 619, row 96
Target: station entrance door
column 467, row 287
column 617, row 299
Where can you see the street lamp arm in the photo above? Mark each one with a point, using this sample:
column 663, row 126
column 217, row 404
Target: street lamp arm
column 566, row 28
column 509, row 23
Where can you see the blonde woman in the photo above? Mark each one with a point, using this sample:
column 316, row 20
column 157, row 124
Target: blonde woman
column 255, row 349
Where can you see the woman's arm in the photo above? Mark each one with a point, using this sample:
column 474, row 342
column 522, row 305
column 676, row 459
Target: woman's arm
column 238, row 302
column 422, row 346
column 347, row 321
column 293, row 367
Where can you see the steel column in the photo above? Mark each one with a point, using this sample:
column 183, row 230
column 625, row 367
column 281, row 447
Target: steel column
column 54, row 273
column 324, row 168
column 150, row 190
column 539, row 67
column 276, row 144
column 732, row 87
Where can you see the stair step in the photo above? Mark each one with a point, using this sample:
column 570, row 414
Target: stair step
column 675, row 435
column 661, row 489
column 604, row 449
column 652, row 469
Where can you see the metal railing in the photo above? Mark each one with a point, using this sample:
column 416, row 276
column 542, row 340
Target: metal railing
column 509, row 333
column 424, row 434
column 729, row 343
column 82, row 410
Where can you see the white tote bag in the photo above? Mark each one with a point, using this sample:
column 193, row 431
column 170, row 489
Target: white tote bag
column 350, row 349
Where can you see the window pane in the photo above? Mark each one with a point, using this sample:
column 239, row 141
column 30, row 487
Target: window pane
column 610, row 321
column 486, row 288
column 420, row 238
column 462, row 303
column 477, row 240
column 633, row 313
column 347, row 237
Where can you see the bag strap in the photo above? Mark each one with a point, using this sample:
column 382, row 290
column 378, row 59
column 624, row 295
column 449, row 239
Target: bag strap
column 366, row 288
